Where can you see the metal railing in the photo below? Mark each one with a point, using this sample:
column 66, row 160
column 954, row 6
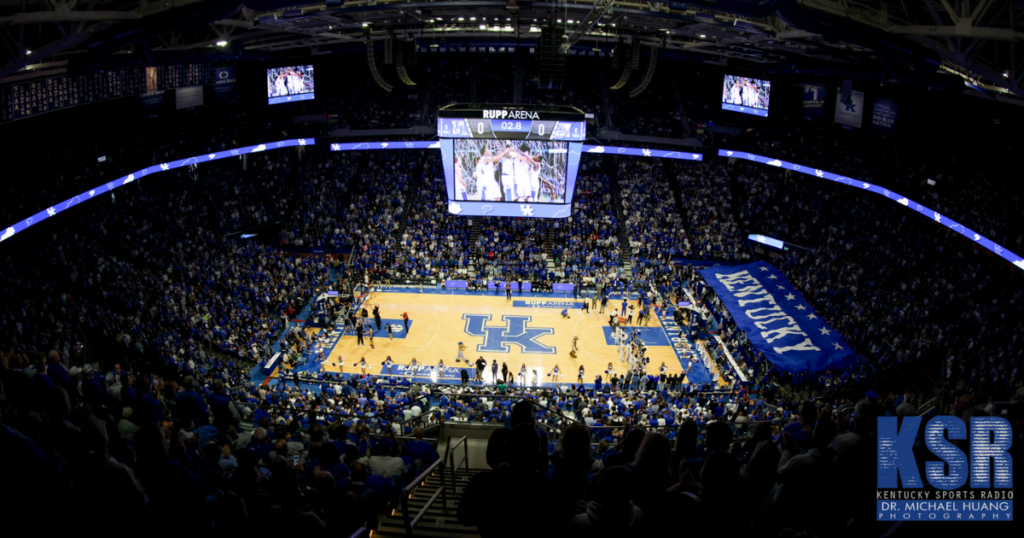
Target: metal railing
column 407, row 492
column 450, row 453
column 360, row 533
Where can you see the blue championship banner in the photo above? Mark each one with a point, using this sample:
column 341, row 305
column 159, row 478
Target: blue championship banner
column 777, row 319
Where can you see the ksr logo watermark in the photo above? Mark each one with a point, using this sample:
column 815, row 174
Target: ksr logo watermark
column 902, row 494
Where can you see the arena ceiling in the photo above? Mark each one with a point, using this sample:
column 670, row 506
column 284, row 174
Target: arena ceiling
column 976, row 40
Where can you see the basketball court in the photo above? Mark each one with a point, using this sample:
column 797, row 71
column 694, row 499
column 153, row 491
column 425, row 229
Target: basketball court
column 527, row 329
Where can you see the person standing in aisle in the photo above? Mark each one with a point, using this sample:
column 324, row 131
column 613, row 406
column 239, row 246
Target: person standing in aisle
column 359, row 334
column 481, row 364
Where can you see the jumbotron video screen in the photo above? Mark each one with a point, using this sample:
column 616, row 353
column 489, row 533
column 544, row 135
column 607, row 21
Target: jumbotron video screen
column 511, row 161
column 746, row 95
column 511, row 170
column 289, row 84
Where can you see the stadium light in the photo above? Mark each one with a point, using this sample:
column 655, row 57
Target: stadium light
column 472, row 18
column 365, row 24
column 1006, row 75
column 28, row 53
column 702, row 36
column 483, row 26
column 222, row 43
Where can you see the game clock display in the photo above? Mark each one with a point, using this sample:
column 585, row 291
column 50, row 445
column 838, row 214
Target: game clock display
column 516, row 129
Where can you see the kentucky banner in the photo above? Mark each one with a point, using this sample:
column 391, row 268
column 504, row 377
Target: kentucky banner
column 777, row 319
column 850, row 112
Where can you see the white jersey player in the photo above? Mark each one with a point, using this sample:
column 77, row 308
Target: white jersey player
column 461, row 192
column 508, row 173
column 280, row 85
column 535, row 177
column 487, row 186
column 734, row 94
column 521, row 167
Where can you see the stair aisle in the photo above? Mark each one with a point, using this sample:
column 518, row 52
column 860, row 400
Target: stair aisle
column 439, row 520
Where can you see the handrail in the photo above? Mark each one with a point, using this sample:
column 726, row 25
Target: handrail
column 359, row 533
column 407, row 491
column 412, row 485
column 464, row 441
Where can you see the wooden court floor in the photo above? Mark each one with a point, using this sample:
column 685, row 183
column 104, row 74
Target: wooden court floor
column 528, row 331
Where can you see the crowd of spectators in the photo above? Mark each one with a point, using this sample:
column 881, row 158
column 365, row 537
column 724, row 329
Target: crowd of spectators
column 314, row 212
column 134, row 323
column 651, row 219
column 706, row 194
column 589, row 240
column 780, row 203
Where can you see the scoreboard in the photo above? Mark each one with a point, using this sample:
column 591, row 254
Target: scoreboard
column 510, row 160
column 511, row 129
column 515, row 122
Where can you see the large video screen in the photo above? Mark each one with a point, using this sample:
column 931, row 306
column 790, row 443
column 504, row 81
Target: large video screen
column 510, row 178
column 746, row 95
column 289, row 84
column 528, row 171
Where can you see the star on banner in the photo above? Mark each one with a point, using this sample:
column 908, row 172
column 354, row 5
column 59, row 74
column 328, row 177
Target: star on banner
column 764, row 268
column 801, row 307
column 302, row 141
column 825, row 331
column 838, row 347
column 811, row 316
column 790, row 297
column 773, row 277
column 781, row 287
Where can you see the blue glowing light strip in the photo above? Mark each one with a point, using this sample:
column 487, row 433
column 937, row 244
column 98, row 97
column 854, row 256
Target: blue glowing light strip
column 902, row 200
column 155, row 169
column 640, row 152
column 364, row 146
